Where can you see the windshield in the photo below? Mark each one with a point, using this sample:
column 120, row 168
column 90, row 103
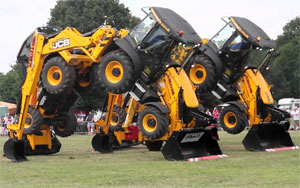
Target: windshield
column 257, row 56
column 223, row 35
column 142, row 29
column 23, row 55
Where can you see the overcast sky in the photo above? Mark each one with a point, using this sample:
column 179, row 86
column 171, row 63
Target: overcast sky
column 20, row 17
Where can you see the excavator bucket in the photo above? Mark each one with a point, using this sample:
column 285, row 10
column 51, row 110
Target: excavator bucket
column 266, row 136
column 186, row 144
column 102, row 143
column 14, row 150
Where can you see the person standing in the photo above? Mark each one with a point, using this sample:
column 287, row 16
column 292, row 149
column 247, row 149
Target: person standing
column 208, row 112
column 295, row 116
column 90, row 123
column 216, row 114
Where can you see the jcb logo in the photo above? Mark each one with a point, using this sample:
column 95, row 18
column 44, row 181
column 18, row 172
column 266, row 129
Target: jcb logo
column 61, row 43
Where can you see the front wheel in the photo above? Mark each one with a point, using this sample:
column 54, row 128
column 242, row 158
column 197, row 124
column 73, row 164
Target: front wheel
column 116, row 72
column 233, row 120
column 117, row 119
column 202, row 73
column 57, row 75
column 33, row 121
column 67, row 124
column 152, row 123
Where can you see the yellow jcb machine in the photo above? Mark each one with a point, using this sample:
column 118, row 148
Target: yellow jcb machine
column 238, row 54
column 164, row 43
column 117, row 129
column 60, row 65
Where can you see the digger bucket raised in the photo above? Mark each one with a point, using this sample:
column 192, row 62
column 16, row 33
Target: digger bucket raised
column 14, row 150
column 102, row 143
column 186, row 144
column 265, row 136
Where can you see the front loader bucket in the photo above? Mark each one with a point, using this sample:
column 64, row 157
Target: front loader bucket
column 14, row 150
column 102, row 143
column 186, row 144
column 265, row 136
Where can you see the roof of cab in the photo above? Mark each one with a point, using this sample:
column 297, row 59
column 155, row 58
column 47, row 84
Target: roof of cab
column 252, row 32
column 173, row 23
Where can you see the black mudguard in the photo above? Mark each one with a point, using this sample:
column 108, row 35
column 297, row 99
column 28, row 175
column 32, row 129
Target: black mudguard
column 129, row 46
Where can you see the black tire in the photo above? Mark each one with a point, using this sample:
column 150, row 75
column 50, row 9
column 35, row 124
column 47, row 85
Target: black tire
column 152, row 123
column 67, row 124
column 233, row 120
column 33, row 122
column 202, row 73
column 154, row 146
column 89, row 79
column 57, row 75
column 116, row 72
column 117, row 119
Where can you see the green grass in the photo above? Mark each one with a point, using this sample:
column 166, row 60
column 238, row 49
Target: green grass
column 77, row 165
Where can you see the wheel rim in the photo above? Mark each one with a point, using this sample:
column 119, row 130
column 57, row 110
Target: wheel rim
column 114, row 119
column 114, row 71
column 54, row 75
column 85, row 79
column 149, row 122
column 197, row 73
column 230, row 119
column 28, row 121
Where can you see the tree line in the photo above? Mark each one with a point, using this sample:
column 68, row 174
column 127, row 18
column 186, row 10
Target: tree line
column 284, row 72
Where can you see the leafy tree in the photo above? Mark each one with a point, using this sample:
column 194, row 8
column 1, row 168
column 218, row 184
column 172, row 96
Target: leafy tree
column 285, row 69
column 86, row 15
column 10, row 85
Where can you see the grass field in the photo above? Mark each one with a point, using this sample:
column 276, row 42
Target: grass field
column 77, row 165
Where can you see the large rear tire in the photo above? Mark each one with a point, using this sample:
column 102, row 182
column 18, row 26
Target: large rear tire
column 33, row 122
column 202, row 73
column 67, row 125
column 152, row 123
column 233, row 120
column 57, row 75
column 116, row 72
column 117, row 119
